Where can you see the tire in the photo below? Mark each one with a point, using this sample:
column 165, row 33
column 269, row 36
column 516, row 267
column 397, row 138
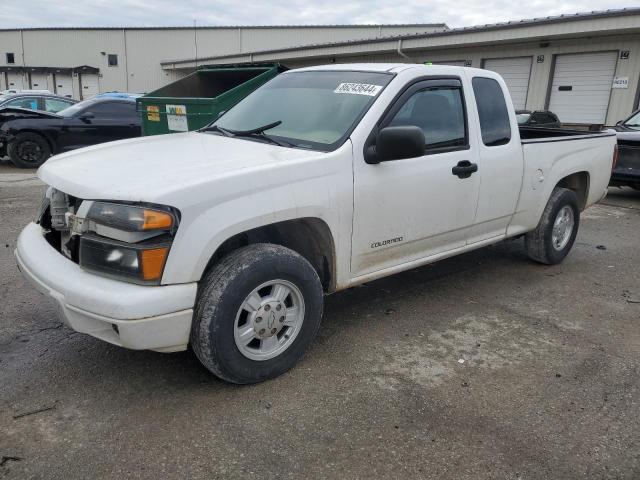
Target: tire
column 223, row 313
column 28, row 150
column 541, row 244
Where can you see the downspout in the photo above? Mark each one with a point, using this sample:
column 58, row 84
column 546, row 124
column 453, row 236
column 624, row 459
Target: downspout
column 22, row 46
column 401, row 53
column 24, row 64
column 126, row 59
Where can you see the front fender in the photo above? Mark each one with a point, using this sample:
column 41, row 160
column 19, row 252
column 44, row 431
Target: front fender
column 321, row 189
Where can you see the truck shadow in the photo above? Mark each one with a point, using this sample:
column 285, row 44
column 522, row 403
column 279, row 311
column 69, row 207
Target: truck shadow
column 94, row 364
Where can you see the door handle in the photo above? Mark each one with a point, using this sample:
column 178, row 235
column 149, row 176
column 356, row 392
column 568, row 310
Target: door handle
column 464, row 169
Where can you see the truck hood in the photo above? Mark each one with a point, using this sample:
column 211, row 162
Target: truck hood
column 151, row 169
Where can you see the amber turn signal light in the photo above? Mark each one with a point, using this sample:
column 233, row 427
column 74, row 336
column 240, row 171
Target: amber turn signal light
column 152, row 262
column 156, row 220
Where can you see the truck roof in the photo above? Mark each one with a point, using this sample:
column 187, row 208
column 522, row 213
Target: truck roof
column 388, row 68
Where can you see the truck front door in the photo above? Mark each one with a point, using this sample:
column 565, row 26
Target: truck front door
column 405, row 210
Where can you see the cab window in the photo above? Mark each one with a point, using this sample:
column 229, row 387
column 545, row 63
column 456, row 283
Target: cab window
column 492, row 110
column 439, row 112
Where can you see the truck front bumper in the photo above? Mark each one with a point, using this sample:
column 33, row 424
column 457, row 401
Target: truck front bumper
column 132, row 316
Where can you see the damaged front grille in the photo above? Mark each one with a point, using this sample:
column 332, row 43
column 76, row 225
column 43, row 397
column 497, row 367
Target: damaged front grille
column 56, row 217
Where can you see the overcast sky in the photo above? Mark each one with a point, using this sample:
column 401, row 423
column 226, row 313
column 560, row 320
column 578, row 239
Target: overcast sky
column 96, row 13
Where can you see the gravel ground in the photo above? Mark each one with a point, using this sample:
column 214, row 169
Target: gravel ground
column 478, row 367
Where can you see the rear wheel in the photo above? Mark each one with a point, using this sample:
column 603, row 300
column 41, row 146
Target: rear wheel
column 556, row 232
column 28, row 150
column 257, row 312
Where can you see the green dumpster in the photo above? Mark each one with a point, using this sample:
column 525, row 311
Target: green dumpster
column 198, row 99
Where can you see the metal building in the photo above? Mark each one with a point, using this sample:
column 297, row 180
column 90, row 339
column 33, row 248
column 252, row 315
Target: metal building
column 583, row 67
column 80, row 62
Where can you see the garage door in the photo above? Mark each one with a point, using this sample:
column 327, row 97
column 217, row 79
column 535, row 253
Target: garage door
column 516, row 73
column 64, row 85
column 40, row 81
column 581, row 86
column 89, row 82
column 16, row 81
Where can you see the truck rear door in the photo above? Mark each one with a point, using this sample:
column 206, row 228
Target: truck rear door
column 501, row 161
column 413, row 208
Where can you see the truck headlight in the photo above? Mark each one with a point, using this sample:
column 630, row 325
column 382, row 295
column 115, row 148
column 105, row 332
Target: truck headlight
column 130, row 242
column 131, row 218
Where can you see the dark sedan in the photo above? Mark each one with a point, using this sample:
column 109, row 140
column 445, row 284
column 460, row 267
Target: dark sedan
column 539, row 118
column 627, row 170
column 31, row 137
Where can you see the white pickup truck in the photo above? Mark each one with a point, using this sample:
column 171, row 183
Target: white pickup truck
column 227, row 238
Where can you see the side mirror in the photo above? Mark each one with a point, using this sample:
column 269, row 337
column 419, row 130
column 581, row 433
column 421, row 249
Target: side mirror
column 396, row 143
column 85, row 117
column 619, row 122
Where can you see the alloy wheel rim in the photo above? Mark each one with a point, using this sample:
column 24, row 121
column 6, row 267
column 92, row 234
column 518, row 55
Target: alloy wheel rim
column 269, row 320
column 29, row 151
column 562, row 228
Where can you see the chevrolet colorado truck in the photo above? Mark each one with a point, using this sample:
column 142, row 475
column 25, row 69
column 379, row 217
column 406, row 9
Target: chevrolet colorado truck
column 227, row 238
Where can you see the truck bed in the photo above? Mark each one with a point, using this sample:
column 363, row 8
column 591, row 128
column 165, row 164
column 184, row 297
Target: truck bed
column 540, row 134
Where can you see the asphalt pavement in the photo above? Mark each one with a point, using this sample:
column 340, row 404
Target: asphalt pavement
column 483, row 366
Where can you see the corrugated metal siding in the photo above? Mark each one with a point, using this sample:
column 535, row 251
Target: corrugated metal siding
column 571, row 26
column 140, row 51
column 73, row 48
column 10, row 42
column 589, row 77
column 147, row 48
column 258, row 39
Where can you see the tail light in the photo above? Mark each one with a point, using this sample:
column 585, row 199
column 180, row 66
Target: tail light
column 615, row 157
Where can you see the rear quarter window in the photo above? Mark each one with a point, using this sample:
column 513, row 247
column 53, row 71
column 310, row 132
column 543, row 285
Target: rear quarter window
column 492, row 110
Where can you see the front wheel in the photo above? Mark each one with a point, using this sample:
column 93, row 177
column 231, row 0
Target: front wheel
column 28, row 150
column 257, row 312
column 553, row 238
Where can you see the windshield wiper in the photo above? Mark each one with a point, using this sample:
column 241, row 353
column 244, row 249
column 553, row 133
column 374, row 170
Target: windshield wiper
column 254, row 132
column 216, row 128
column 259, row 133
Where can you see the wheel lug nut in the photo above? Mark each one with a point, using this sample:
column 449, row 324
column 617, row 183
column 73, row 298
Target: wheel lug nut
column 258, row 320
column 281, row 319
column 273, row 330
column 262, row 331
column 267, row 308
column 279, row 307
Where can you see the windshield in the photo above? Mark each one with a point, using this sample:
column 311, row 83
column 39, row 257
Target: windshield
column 522, row 118
column 74, row 109
column 316, row 110
column 634, row 121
